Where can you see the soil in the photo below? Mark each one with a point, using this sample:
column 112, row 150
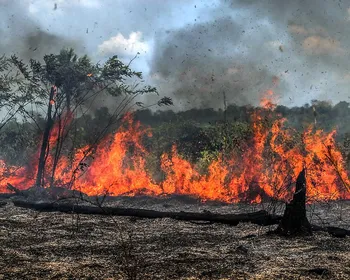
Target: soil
column 37, row 245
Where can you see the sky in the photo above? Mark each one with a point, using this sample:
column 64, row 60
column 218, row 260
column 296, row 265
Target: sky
column 196, row 51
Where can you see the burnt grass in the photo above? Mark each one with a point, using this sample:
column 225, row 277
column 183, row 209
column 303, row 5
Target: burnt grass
column 37, row 245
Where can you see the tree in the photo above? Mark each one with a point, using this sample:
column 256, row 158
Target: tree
column 66, row 84
column 12, row 99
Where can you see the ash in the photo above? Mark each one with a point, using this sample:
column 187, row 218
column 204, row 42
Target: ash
column 37, row 245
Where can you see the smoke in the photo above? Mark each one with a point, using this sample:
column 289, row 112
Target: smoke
column 234, row 48
column 245, row 45
column 22, row 36
column 202, row 63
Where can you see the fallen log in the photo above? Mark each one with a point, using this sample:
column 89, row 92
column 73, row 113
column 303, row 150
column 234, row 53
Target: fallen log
column 262, row 217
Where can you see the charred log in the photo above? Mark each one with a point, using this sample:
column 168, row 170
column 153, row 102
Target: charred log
column 3, row 203
column 260, row 217
column 294, row 221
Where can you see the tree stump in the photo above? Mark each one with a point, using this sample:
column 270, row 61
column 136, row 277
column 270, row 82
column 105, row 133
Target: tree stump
column 294, row 221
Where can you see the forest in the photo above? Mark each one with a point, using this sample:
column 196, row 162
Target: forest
column 127, row 171
column 195, row 132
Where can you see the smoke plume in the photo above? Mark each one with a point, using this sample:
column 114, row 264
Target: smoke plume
column 245, row 45
column 22, row 36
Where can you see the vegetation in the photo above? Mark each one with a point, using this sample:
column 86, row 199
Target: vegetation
column 62, row 86
column 77, row 85
column 199, row 134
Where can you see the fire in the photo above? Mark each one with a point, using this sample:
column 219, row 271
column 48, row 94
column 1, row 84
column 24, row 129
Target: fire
column 114, row 170
column 267, row 168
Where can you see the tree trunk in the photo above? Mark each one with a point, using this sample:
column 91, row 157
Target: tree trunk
column 44, row 146
column 57, row 152
column 294, row 221
column 68, row 100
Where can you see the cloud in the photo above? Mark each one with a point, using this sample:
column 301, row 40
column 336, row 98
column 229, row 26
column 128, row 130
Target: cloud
column 197, row 49
column 317, row 45
column 124, row 46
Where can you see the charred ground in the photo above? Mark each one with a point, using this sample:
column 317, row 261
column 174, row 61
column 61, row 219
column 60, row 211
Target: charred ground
column 62, row 246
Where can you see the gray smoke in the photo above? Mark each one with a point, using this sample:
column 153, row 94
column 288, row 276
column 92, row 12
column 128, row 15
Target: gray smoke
column 247, row 44
column 22, row 36
column 200, row 65
column 232, row 47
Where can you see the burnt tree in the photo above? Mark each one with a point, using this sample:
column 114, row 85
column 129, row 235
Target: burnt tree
column 45, row 141
column 294, row 221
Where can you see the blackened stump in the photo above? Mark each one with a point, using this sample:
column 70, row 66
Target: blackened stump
column 294, row 221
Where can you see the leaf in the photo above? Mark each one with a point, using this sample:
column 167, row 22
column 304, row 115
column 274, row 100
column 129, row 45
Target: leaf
column 167, row 101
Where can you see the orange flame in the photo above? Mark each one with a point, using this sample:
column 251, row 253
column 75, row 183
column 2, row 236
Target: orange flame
column 267, row 168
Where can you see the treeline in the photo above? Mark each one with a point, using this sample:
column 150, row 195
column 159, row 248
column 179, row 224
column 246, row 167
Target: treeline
column 327, row 116
column 199, row 134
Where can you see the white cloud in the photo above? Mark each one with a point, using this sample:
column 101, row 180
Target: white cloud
column 124, row 46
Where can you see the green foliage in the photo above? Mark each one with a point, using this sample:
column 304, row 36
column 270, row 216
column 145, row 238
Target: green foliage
column 25, row 89
column 77, row 78
column 13, row 98
column 18, row 142
column 207, row 157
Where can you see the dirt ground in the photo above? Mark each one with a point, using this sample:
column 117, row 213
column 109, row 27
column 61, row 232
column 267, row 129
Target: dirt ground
column 61, row 246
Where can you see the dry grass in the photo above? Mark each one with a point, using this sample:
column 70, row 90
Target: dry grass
column 60, row 246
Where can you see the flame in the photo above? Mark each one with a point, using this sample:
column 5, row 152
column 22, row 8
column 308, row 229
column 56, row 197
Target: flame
column 267, row 168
